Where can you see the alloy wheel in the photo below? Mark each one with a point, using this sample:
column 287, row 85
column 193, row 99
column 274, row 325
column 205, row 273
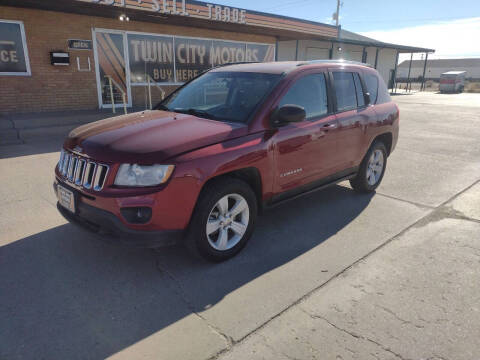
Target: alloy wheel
column 227, row 222
column 375, row 167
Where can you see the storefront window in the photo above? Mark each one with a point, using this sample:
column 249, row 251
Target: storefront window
column 13, row 49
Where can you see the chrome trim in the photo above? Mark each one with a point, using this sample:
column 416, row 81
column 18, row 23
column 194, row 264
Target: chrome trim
column 79, row 169
column 80, row 172
column 91, row 168
column 71, row 168
column 97, row 186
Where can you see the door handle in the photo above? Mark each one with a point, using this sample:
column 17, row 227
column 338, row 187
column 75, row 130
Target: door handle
column 329, row 126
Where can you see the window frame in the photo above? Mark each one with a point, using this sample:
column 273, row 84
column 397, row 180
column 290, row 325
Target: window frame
column 364, row 84
column 334, row 93
column 330, row 107
column 28, row 71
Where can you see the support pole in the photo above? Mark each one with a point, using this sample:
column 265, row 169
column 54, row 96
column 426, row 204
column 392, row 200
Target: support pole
column 111, row 94
column 124, row 97
column 149, row 94
column 296, row 51
column 409, row 86
column 276, row 50
column 422, row 88
column 330, row 53
column 364, row 55
column 337, row 13
column 394, row 85
column 376, row 57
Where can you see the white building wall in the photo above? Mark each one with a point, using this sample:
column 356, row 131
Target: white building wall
column 386, row 63
column 348, row 52
column 371, row 53
column 319, row 50
column 286, row 50
column 435, row 72
column 313, row 50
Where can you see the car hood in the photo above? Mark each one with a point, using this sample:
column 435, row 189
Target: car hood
column 149, row 136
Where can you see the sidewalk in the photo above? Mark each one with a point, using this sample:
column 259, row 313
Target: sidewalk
column 29, row 127
column 416, row 298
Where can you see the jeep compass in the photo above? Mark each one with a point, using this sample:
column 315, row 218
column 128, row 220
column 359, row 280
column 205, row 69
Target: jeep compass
column 232, row 142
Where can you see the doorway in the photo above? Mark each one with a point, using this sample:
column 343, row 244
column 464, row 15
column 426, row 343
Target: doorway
column 111, row 68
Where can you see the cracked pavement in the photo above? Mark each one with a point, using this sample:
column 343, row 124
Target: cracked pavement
column 333, row 275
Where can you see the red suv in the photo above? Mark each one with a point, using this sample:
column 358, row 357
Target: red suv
column 225, row 146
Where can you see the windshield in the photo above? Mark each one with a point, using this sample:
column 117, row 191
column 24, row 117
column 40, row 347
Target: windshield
column 225, row 96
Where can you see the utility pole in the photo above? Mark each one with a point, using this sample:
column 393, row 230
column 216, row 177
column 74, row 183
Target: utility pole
column 337, row 17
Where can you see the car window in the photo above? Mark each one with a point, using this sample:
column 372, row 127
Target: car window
column 309, row 92
column 371, row 81
column 227, row 96
column 359, row 90
column 383, row 96
column 345, row 91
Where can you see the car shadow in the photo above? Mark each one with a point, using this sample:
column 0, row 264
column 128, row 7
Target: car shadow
column 66, row 294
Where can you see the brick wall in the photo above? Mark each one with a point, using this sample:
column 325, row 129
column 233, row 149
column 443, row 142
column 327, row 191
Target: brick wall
column 52, row 88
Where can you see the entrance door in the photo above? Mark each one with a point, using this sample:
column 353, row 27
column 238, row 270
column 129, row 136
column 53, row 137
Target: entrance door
column 111, row 61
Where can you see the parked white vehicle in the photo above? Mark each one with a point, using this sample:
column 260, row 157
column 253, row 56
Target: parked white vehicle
column 452, row 81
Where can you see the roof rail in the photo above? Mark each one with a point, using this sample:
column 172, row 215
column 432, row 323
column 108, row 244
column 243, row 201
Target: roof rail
column 235, row 63
column 335, row 61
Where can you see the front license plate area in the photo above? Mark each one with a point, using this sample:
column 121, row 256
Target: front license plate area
column 66, row 198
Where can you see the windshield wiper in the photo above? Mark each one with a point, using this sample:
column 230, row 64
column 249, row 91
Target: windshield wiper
column 196, row 112
column 162, row 107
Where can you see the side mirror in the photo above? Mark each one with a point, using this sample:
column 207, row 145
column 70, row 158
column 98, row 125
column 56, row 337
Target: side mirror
column 287, row 114
column 368, row 101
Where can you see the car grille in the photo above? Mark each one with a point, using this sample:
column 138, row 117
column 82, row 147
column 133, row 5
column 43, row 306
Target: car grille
column 81, row 171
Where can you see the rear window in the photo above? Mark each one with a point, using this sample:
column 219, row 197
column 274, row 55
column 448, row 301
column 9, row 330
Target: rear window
column 371, row 81
column 345, row 91
column 383, row 95
column 377, row 89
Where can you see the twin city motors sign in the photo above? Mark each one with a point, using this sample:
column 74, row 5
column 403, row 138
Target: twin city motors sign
column 178, row 59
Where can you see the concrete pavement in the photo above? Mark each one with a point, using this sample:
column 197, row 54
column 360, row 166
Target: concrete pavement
column 331, row 275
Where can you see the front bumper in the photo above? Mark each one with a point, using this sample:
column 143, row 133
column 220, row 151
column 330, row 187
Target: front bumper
column 102, row 221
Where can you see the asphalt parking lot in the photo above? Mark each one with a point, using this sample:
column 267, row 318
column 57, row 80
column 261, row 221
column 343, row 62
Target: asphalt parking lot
column 334, row 275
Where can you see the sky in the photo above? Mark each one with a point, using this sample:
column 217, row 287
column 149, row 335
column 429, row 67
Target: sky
column 452, row 28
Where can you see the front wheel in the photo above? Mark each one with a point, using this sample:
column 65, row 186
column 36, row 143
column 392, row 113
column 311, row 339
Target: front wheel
column 223, row 220
column 371, row 170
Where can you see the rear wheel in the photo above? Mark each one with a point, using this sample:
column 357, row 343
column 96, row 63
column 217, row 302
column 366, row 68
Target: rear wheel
column 223, row 220
column 372, row 169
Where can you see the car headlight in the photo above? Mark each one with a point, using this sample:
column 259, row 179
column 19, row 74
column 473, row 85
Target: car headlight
column 140, row 175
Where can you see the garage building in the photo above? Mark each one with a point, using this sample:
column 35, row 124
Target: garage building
column 81, row 54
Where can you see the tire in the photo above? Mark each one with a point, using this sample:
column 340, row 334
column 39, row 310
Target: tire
column 370, row 166
column 213, row 214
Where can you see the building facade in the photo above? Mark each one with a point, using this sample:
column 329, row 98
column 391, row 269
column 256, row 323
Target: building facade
column 87, row 54
column 436, row 67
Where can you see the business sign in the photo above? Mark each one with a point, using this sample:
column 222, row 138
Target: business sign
column 173, row 59
column 75, row 44
column 180, row 7
column 13, row 49
column 225, row 14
